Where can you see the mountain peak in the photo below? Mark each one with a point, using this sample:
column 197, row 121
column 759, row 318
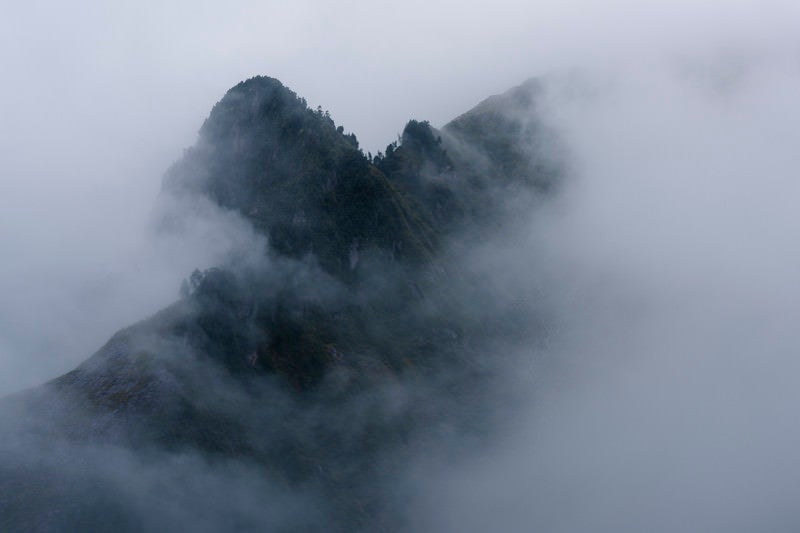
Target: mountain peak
column 357, row 304
column 301, row 181
column 257, row 99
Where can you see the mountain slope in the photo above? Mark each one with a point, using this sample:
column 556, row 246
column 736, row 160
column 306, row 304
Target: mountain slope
column 320, row 365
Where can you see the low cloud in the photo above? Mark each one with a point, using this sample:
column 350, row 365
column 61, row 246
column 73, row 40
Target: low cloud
column 667, row 401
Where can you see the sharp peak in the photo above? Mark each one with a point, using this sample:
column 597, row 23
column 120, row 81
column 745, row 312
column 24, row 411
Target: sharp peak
column 520, row 96
column 258, row 81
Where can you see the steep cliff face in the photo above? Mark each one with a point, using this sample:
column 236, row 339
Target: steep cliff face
column 318, row 364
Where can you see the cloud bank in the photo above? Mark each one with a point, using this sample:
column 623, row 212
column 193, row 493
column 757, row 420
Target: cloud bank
column 668, row 403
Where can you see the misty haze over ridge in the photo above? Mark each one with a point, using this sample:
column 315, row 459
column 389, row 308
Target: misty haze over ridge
column 341, row 329
column 112, row 93
column 624, row 303
column 671, row 406
column 675, row 258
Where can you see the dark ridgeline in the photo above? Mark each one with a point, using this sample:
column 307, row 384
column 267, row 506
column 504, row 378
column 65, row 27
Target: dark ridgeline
column 323, row 364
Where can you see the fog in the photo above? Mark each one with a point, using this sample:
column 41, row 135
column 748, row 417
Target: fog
column 669, row 401
column 665, row 399
column 98, row 100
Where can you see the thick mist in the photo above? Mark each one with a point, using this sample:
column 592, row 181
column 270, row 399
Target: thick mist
column 97, row 101
column 661, row 394
column 668, row 401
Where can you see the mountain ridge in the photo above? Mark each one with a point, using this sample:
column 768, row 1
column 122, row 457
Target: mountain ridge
column 321, row 361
